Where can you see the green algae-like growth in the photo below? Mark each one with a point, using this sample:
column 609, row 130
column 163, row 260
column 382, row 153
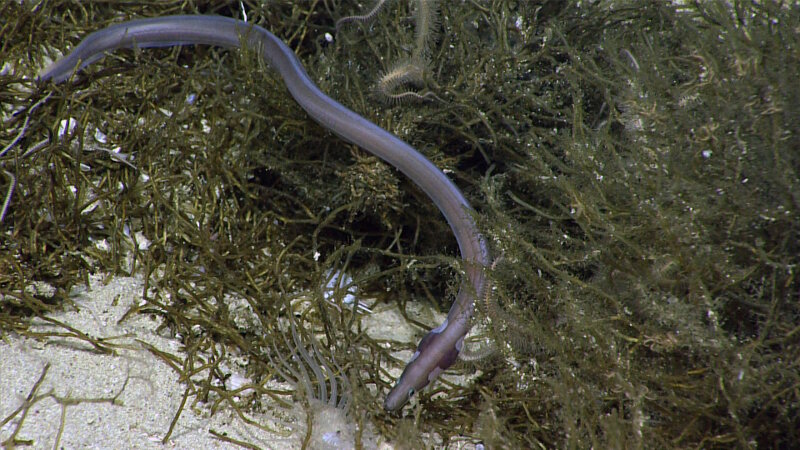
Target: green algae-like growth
column 635, row 166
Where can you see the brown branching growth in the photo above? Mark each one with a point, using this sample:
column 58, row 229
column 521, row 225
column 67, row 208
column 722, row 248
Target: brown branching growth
column 634, row 165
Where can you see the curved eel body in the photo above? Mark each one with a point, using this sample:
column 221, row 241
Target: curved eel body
column 439, row 348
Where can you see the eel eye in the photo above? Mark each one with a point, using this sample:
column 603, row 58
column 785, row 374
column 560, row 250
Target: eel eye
column 411, row 392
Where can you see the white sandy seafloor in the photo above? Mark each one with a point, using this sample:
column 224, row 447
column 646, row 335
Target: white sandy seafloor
column 128, row 400
column 147, row 392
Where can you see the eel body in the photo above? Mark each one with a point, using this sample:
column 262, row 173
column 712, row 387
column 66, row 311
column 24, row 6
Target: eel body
column 440, row 347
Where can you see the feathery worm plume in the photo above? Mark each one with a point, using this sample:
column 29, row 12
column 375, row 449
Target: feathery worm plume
column 411, row 71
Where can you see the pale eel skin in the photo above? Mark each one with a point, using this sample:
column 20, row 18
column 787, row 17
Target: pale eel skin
column 439, row 348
